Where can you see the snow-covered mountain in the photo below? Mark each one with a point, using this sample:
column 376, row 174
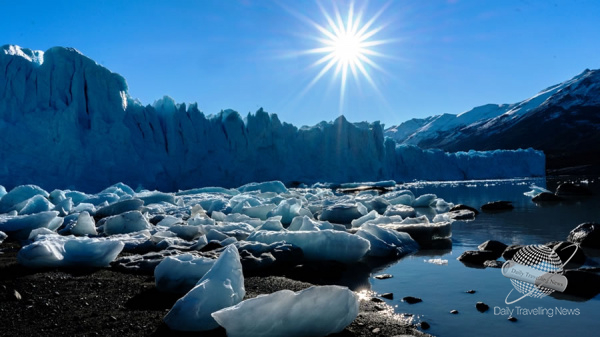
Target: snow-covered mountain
column 562, row 120
column 66, row 121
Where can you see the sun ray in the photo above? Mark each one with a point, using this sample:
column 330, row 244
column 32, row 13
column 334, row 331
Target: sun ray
column 348, row 46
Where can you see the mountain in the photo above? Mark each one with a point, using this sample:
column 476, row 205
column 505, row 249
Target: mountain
column 67, row 122
column 562, row 120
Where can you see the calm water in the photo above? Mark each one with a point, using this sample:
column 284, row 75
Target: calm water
column 442, row 287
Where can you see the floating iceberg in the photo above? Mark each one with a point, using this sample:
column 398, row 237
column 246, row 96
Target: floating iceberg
column 221, row 287
column 316, row 311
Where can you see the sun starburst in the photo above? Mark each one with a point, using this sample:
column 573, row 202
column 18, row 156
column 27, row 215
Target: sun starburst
column 348, row 47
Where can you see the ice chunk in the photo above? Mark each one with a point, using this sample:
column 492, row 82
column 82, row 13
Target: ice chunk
column 100, row 198
column 127, row 222
column 119, row 189
column 401, row 210
column 3, row 235
column 20, row 226
column 198, row 220
column 535, row 190
column 271, row 225
column 68, row 251
column 85, row 225
column 64, row 206
column 372, row 215
column 119, row 207
column 288, row 209
column 84, row 207
column 155, row 197
column 36, row 204
column 2, row 191
column 343, row 213
column 186, row 232
column 19, row 194
column 305, row 223
column 425, row 200
column 268, row 186
column 387, row 242
column 316, row 311
column 424, row 233
column 319, row 245
column 403, row 197
column 179, row 274
column 221, row 287
column 260, row 211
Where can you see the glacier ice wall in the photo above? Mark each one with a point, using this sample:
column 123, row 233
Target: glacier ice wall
column 67, row 122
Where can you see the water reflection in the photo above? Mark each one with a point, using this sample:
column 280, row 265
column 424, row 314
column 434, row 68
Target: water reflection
column 442, row 286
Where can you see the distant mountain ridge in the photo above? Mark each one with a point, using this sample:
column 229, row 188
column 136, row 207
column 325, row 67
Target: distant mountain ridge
column 562, row 120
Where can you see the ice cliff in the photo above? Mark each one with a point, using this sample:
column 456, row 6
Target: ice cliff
column 66, row 121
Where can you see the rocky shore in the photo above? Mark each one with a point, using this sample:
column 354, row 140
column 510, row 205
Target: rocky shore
column 107, row 302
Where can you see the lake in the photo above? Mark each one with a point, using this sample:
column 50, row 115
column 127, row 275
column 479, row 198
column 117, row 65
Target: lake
column 442, row 287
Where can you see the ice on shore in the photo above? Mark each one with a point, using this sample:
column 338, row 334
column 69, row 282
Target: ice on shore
column 319, row 245
column 386, row 242
column 127, row 222
column 19, row 226
column 52, row 250
column 221, row 287
column 316, row 311
column 179, row 274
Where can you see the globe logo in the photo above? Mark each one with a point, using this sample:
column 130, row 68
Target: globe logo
column 540, row 258
column 535, row 271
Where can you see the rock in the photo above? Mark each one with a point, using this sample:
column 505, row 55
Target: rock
column 568, row 251
column 383, row 276
column 376, row 331
column 463, row 214
column 497, row 206
column 492, row 264
column 376, row 300
column 454, row 312
column 411, row 299
column 546, row 197
column 570, row 189
column 471, row 291
column 425, row 325
column 512, row 319
column 587, row 234
column 477, row 257
column 16, row 295
column 582, row 283
column 482, row 307
column 510, row 251
column 389, row 296
column 494, row 246
column 461, row 207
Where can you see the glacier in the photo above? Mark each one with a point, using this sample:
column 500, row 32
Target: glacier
column 74, row 118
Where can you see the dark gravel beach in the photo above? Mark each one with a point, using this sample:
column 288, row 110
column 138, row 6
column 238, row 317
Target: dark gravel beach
column 105, row 302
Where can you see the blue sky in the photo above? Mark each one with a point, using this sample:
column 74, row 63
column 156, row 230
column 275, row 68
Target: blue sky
column 438, row 56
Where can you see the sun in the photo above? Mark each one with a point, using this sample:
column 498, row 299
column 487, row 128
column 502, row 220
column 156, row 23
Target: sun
column 348, row 46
